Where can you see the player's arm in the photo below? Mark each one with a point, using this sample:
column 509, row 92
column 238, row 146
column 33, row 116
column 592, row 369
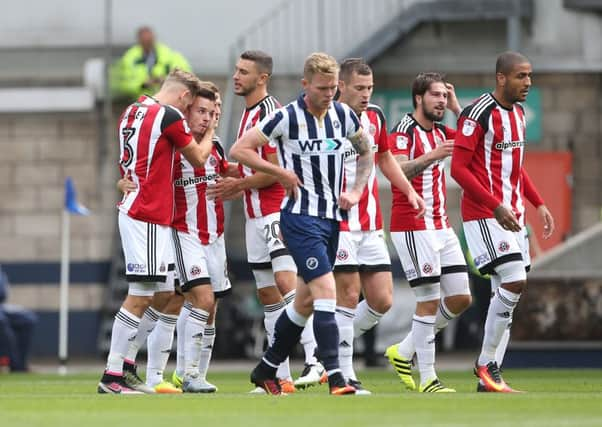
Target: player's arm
column 461, row 172
column 365, row 162
column 197, row 152
column 537, row 201
column 391, row 170
column 415, row 167
column 245, row 151
column 452, row 100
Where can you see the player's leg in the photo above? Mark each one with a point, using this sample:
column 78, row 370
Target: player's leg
column 159, row 342
column 347, row 279
column 261, row 235
column 142, row 273
column 496, row 250
column 215, row 253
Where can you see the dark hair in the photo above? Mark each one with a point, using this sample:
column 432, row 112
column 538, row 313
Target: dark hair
column 507, row 60
column 423, row 82
column 353, row 65
column 263, row 61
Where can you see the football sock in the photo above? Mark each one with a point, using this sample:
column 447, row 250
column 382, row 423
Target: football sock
column 327, row 334
column 308, row 341
column 344, row 318
column 159, row 347
column 286, row 334
column 423, row 333
column 180, row 332
column 125, row 327
column 207, row 343
column 499, row 316
column 147, row 324
column 193, row 335
column 365, row 319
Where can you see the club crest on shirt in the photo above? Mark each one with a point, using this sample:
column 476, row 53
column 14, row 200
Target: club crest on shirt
column 212, row 161
column 248, row 126
column 186, row 127
column 336, row 124
column 468, row 127
column 372, row 129
column 401, row 142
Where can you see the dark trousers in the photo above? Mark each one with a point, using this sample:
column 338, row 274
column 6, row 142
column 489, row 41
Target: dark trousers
column 16, row 332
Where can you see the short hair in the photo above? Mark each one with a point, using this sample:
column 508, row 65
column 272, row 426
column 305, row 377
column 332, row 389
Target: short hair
column 208, row 90
column 185, row 78
column 353, row 65
column 423, row 82
column 144, row 29
column 319, row 63
column 507, row 60
column 210, row 85
column 264, row 61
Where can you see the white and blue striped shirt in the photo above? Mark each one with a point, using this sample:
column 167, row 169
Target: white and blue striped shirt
column 313, row 148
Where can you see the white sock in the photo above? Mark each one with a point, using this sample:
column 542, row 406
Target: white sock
column 180, row 332
column 207, row 343
column 499, row 316
column 147, row 324
column 344, row 317
column 500, row 351
column 444, row 315
column 423, row 332
column 159, row 347
column 125, row 327
column 308, row 341
column 289, row 297
column 271, row 314
column 365, row 319
column 193, row 336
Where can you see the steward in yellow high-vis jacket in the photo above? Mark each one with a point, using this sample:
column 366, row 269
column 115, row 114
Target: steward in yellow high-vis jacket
column 144, row 66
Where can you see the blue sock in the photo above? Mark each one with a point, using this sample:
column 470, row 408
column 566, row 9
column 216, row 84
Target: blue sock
column 327, row 338
column 286, row 336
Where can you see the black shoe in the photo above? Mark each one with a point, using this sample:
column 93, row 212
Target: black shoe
column 114, row 384
column 268, row 382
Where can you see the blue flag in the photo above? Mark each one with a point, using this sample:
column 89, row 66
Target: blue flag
column 71, row 204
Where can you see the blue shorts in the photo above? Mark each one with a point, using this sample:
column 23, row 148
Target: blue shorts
column 312, row 242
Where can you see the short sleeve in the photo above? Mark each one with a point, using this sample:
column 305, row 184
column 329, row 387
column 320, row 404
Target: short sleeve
column 469, row 133
column 175, row 128
column 272, row 125
column 353, row 125
column 400, row 143
column 382, row 138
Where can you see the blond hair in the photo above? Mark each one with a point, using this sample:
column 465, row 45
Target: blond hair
column 186, row 79
column 319, row 63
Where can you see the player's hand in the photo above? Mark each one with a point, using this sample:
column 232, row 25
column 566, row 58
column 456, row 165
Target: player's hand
column 417, row 203
column 126, row 185
column 226, row 188
column 443, row 150
column 291, row 183
column 548, row 221
column 452, row 100
column 506, row 218
column 348, row 199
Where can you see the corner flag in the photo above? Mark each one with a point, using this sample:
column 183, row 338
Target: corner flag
column 71, row 204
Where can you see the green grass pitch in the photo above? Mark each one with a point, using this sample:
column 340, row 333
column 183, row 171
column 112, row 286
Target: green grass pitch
column 570, row 398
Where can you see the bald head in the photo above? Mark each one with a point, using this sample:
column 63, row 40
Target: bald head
column 508, row 60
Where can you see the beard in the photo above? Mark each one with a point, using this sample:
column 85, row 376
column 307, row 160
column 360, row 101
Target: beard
column 432, row 115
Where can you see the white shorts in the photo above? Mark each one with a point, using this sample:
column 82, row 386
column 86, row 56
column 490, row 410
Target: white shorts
column 490, row 245
column 198, row 264
column 145, row 247
column 171, row 278
column 264, row 244
column 426, row 255
column 362, row 251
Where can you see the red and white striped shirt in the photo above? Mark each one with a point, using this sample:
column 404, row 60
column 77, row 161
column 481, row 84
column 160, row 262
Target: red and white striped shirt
column 148, row 135
column 366, row 214
column 263, row 201
column 195, row 214
column 496, row 138
column 410, row 139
